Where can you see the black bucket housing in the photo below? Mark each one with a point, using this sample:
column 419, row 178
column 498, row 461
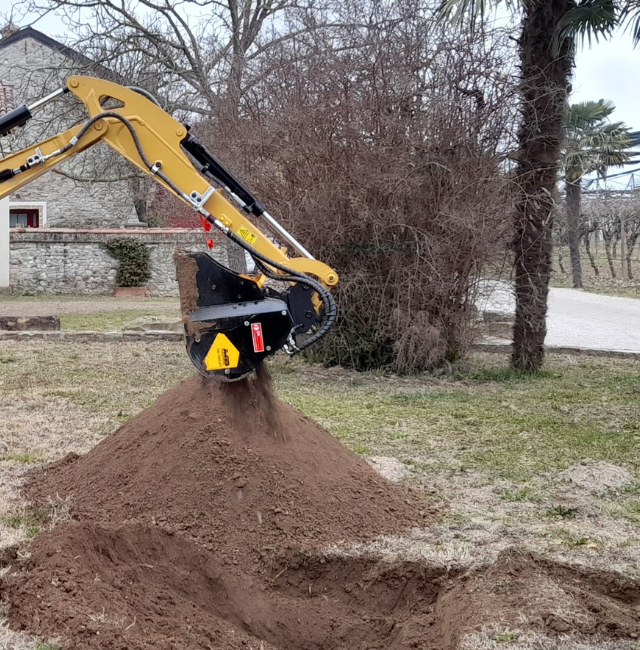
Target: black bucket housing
column 231, row 324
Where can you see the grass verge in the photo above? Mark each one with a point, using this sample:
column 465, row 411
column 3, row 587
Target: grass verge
column 109, row 321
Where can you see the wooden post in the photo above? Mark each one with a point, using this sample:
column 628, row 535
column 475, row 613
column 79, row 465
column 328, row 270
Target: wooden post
column 4, row 242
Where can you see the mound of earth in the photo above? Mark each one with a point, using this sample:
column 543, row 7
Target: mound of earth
column 131, row 587
column 204, row 522
column 232, row 467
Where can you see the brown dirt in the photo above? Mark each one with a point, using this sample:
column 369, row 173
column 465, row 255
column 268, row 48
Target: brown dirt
column 186, row 272
column 201, row 523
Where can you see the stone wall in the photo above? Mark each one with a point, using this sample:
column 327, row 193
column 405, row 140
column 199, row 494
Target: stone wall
column 62, row 261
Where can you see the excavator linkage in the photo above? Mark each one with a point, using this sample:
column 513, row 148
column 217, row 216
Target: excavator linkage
column 231, row 321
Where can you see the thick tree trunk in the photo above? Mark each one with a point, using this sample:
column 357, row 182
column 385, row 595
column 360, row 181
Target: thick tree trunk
column 545, row 80
column 573, row 191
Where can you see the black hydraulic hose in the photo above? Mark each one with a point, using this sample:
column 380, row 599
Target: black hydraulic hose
column 330, row 306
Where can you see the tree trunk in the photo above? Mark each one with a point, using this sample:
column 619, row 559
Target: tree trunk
column 573, row 191
column 631, row 244
column 544, row 85
column 562, row 269
column 592, row 259
column 607, row 250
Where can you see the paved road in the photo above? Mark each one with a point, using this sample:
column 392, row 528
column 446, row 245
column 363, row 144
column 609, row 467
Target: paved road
column 577, row 318
column 593, row 321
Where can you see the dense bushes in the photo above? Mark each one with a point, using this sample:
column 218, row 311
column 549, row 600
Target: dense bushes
column 387, row 161
column 133, row 257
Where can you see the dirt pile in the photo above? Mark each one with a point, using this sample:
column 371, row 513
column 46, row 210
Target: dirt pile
column 232, row 467
column 201, row 524
column 131, row 587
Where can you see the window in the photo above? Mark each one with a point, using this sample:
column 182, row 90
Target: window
column 6, row 99
column 24, row 218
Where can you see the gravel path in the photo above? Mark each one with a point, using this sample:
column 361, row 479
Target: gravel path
column 56, row 307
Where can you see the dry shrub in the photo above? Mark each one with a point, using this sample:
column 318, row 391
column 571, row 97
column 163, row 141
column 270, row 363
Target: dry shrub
column 383, row 153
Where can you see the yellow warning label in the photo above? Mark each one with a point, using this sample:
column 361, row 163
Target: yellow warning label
column 247, row 235
column 222, row 354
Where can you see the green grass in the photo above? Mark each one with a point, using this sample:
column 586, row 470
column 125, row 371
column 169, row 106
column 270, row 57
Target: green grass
column 107, row 321
column 562, row 512
column 30, row 519
column 23, row 457
column 488, row 419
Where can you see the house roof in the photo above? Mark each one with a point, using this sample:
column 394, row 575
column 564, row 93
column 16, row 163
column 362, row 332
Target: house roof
column 30, row 32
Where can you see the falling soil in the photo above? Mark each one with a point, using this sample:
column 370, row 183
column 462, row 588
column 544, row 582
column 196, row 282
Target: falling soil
column 204, row 522
column 186, row 272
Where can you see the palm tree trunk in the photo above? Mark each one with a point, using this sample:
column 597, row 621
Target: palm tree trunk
column 574, row 191
column 545, row 81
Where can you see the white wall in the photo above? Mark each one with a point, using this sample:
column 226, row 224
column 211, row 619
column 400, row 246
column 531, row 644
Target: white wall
column 4, row 242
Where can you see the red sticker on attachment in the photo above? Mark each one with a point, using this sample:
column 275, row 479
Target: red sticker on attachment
column 258, row 340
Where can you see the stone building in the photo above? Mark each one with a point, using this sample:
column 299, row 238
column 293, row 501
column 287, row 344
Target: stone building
column 78, row 194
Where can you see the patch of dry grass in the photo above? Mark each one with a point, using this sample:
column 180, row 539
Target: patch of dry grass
column 58, row 398
column 112, row 320
column 493, row 639
column 602, row 283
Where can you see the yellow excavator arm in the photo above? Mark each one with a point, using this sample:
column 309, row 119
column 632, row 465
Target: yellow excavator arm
column 232, row 322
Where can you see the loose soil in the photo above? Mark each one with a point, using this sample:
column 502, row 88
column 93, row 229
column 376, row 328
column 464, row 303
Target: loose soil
column 204, row 522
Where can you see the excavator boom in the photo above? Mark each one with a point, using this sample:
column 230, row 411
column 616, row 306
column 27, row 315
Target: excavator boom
column 232, row 321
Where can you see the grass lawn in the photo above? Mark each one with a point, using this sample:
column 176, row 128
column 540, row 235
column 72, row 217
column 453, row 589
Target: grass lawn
column 75, row 297
column 485, row 446
column 109, row 321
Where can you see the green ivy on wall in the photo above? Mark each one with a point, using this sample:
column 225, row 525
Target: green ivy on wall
column 134, row 269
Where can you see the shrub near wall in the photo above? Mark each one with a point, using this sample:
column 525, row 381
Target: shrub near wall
column 133, row 257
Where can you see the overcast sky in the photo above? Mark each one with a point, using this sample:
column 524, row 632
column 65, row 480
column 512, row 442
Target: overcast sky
column 606, row 70
column 609, row 70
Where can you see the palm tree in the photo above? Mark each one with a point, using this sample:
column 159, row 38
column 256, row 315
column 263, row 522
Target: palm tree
column 548, row 33
column 592, row 145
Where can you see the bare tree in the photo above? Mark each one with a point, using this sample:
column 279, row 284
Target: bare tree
column 197, row 54
column 384, row 151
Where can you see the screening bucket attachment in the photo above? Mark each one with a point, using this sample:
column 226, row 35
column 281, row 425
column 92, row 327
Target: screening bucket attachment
column 231, row 325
